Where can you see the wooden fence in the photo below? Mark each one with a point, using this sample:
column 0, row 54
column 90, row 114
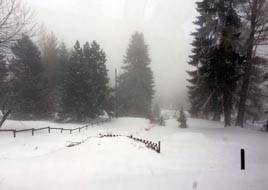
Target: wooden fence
column 33, row 130
column 149, row 144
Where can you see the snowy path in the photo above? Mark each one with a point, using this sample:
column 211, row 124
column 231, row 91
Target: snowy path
column 204, row 156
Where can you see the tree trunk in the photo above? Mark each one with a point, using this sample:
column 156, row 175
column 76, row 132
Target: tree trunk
column 4, row 117
column 216, row 116
column 227, row 108
column 247, row 69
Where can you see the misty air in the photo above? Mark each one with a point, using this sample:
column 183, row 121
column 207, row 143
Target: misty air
column 133, row 94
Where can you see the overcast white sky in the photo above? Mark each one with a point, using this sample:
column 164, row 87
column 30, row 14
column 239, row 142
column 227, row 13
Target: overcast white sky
column 166, row 25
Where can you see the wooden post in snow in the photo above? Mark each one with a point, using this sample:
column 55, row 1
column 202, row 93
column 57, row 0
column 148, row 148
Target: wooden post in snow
column 159, row 144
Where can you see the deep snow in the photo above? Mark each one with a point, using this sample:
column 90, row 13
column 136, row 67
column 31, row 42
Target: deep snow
column 204, row 156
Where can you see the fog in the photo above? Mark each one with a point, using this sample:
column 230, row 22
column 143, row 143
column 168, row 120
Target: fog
column 166, row 25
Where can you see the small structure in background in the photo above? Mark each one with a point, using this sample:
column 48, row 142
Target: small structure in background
column 182, row 119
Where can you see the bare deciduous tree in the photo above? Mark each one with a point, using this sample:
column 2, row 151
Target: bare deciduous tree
column 15, row 18
column 256, row 14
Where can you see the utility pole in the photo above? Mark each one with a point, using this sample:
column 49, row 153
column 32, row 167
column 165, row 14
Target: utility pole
column 116, row 96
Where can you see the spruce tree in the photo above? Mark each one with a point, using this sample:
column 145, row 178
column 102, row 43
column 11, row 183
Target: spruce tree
column 156, row 111
column 28, row 83
column 199, row 89
column 85, row 88
column 136, row 82
column 74, row 86
column 3, row 81
column 182, row 119
column 49, row 55
column 61, row 70
column 97, row 59
column 255, row 106
column 216, row 58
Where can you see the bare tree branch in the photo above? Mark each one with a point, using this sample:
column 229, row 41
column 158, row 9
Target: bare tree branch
column 15, row 19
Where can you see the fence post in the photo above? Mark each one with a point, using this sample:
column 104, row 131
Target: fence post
column 79, row 129
column 48, row 129
column 70, row 131
column 32, row 132
column 242, row 155
column 61, row 130
column 158, row 150
column 14, row 133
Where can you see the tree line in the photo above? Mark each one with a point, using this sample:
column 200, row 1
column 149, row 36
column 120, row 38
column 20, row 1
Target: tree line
column 43, row 79
column 226, row 55
column 72, row 84
column 49, row 81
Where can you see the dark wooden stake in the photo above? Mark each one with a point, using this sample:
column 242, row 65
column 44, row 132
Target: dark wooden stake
column 158, row 150
column 242, row 152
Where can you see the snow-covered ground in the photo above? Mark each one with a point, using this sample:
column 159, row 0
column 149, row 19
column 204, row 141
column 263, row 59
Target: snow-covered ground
column 204, row 156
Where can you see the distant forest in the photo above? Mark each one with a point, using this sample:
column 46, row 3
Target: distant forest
column 43, row 79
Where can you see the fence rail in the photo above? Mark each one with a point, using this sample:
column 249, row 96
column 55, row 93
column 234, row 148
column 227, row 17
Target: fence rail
column 149, row 144
column 14, row 131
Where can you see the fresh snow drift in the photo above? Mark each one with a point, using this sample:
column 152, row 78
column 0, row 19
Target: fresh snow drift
column 204, row 156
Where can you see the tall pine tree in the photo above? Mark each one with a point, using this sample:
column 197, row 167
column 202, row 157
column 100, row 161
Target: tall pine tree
column 49, row 55
column 3, row 82
column 61, row 71
column 216, row 58
column 29, row 96
column 136, row 83
column 85, row 87
column 100, row 81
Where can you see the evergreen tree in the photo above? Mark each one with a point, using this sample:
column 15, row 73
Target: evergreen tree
column 61, row 70
column 162, row 121
column 49, row 54
column 216, row 58
column 199, row 89
column 182, row 119
column 85, row 88
column 156, row 111
column 97, row 59
column 74, row 95
column 255, row 106
column 28, row 81
column 3, row 81
column 136, row 83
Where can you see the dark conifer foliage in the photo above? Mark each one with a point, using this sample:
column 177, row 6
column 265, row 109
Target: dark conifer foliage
column 49, row 55
column 28, row 84
column 3, row 81
column 97, row 59
column 136, row 82
column 257, row 96
column 61, row 70
column 85, row 88
column 182, row 119
column 216, row 58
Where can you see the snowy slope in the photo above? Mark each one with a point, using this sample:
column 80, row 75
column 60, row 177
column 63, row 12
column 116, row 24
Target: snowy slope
column 204, row 156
